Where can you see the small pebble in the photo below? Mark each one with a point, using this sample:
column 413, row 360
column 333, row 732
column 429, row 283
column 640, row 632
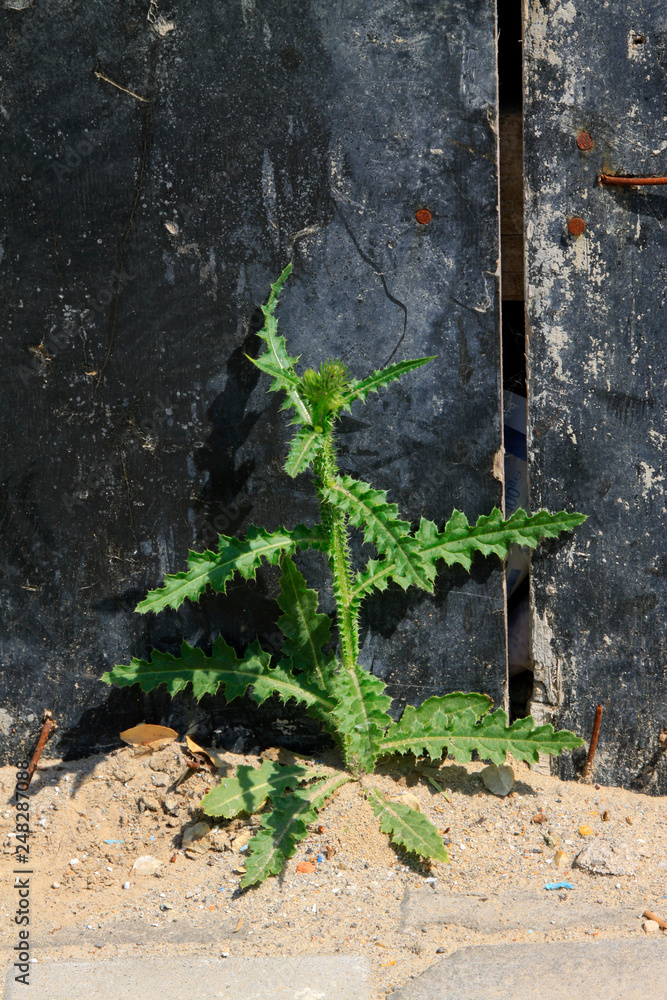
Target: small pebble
column 650, row 926
column 55, row 885
column 126, row 885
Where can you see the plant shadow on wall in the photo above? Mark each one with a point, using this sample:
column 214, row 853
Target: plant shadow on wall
column 231, row 489
column 318, row 670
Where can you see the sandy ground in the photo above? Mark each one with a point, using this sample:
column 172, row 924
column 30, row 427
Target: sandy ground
column 93, row 818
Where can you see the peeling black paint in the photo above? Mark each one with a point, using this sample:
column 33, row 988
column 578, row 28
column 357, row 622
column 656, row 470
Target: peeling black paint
column 598, row 377
column 140, row 237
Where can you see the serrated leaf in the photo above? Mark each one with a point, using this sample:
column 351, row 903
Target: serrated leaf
column 460, row 728
column 408, row 828
column 249, row 789
column 459, row 540
column 305, row 446
column 223, row 667
column 360, row 390
column 284, row 827
column 375, row 576
column 368, row 509
column 306, row 631
column 423, row 730
column 361, row 713
column 235, row 555
column 275, row 361
column 493, row 739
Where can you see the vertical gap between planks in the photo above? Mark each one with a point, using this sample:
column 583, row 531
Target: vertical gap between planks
column 519, row 687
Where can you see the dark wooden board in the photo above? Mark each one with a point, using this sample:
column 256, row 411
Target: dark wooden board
column 156, row 176
column 598, row 375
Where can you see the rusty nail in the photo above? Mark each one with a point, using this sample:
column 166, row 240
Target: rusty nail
column 621, row 181
column 423, row 216
column 594, row 742
column 576, row 225
column 584, row 141
column 47, row 728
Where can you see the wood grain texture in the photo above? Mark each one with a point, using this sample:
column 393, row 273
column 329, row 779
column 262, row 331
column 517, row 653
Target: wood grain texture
column 154, row 182
column 598, row 375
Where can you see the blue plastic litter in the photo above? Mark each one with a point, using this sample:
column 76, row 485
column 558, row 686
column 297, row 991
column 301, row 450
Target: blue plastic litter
column 114, row 841
column 320, row 857
column 560, row 885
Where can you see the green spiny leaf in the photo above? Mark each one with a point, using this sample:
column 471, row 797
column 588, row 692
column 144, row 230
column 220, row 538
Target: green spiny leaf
column 303, row 450
column 305, row 630
column 368, row 509
column 207, row 673
column 361, row 714
column 235, row 555
column 275, row 361
column 424, row 730
column 459, row 540
column 492, row 738
column 249, row 789
column 284, row 827
column 360, row 390
column 409, row 828
column 374, row 576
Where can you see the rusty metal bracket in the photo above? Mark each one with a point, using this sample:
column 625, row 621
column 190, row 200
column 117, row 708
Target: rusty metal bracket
column 617, row 181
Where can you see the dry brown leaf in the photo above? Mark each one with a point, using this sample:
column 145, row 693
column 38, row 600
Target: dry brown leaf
column 194, row 747
column 306, row 866
column 149, row 736
column 215, row 758
column 238, row 926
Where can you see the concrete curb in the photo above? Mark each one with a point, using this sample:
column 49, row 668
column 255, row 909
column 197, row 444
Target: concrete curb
column 567, row 970
column 289, row 978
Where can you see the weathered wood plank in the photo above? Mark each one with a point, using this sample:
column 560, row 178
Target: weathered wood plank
column 156, row 177
column 598, row 374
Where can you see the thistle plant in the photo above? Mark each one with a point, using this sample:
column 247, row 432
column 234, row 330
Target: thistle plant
column 311, row 669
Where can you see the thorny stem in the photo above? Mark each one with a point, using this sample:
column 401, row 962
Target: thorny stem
column 335, row 524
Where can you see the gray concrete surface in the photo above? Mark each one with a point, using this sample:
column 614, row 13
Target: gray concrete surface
column 563, row 970
column 300, row 978
column 516, row 911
